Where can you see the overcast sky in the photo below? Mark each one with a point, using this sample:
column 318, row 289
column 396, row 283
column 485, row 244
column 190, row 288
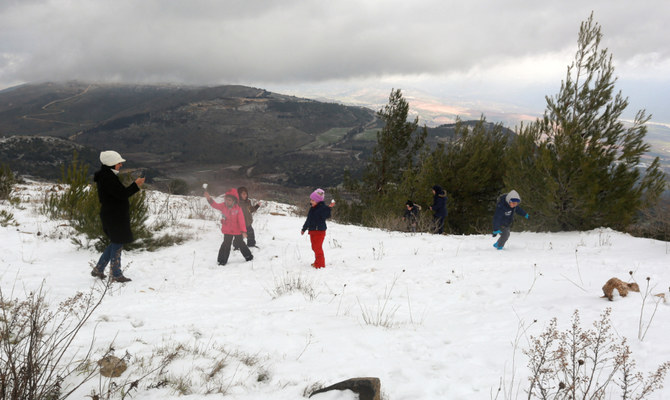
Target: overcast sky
column 513, row 51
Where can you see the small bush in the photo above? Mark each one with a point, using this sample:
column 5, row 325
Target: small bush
column 68, row 203
column 7, row 219
column 289, row 283
column 7, row 181
column 154, row 243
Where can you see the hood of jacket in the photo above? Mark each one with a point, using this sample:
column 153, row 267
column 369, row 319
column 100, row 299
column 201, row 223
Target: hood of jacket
column 103, row 170
column 439, row 191
column 513, row 196
column 233, row 193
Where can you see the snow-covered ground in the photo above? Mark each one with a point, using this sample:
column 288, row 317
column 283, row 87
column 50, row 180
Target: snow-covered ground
column 434, row 317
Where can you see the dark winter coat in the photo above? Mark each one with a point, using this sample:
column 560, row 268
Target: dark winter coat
column 439, row 206
column 232, row 219
column 504, row 215
column 316, row 217
column 411, row 215
column 248, row 209
column 114, row 205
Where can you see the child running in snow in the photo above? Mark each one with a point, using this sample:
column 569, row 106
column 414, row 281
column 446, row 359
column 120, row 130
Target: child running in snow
column 316, row 225
column 233, row 226
column 508, row 204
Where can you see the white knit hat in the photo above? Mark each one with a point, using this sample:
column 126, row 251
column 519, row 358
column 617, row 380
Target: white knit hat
column 110, row 158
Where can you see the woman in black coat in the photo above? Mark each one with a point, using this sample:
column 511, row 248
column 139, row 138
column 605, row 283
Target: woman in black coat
column 114, row 213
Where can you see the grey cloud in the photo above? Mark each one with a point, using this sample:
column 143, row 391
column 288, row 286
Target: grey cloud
column 210, row 41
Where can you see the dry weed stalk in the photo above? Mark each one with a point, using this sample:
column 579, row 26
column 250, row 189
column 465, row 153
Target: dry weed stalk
column 642, row 329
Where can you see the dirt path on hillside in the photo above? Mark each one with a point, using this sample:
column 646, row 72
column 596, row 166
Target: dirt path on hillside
column 40, row 117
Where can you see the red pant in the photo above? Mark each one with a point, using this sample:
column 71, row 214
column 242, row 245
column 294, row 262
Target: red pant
column 317, row 237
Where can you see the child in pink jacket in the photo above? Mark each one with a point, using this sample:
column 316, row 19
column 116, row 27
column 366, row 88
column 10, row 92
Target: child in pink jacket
column 233, row 226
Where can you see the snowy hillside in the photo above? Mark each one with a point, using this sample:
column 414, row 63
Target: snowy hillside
column 434, row 317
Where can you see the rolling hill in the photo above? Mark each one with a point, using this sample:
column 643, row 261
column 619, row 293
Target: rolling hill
column 178, row 130
column 223, row 133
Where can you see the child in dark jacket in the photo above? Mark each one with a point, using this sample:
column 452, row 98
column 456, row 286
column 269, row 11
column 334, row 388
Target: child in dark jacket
column 233, row 226
column 316, row 225
column 248, row 210
column 507, row 206
column 411, row 215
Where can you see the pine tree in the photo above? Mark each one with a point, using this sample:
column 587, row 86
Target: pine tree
column 470, row 167
column 398, row 144
column 396, row 153
column 578, row 167
column 7, row 181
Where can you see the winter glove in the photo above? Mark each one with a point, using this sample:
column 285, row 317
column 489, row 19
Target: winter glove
column 527, row 215
column 495, row 233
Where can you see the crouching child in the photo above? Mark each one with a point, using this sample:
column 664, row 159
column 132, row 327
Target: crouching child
column 411, row 215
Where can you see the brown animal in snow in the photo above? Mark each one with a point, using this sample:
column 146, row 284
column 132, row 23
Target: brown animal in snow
column 621, row 287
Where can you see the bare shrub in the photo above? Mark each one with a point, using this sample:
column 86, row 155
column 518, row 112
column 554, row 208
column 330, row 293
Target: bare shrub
column 654, row 222
column 199, row 209
column 389, row 222
column 592, row 364
column 384, row 313
column 289, row 283
column 394, row 222
column 36, row 356
column 215, row 369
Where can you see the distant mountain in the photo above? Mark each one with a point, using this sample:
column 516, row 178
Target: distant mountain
column 192, row 133
column 432, row 110
column 436, row 112
column 178, row 130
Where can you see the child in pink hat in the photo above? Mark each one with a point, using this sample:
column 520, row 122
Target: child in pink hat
column 318, row 213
